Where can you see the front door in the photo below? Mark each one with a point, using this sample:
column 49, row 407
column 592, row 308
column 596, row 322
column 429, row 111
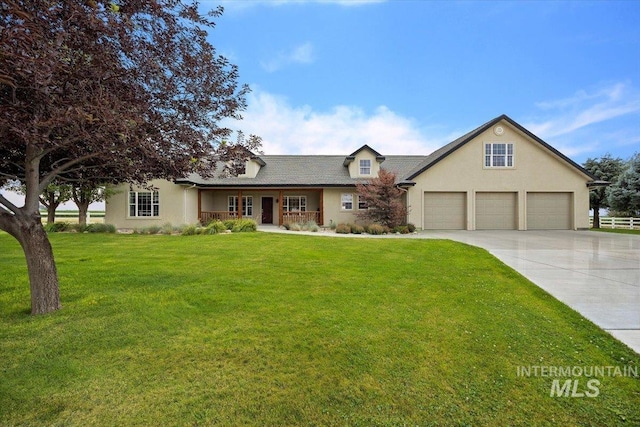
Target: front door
column 267, row 210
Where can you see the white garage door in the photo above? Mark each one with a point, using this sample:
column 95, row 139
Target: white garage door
column 496, row 211
column 445, row 211
column 549, row 211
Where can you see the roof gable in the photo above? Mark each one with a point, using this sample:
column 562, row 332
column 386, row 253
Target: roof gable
column 450, row 148
column 351, row 157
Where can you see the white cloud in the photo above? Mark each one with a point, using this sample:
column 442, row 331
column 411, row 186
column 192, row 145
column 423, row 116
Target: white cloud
column 584, row 109
column 302, row 54
column 586, row 122
column 287, row 129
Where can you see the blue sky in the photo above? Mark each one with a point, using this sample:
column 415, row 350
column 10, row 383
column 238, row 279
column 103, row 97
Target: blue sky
column 407, row 77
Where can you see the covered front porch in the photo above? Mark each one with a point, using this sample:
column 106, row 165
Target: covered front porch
column 265, row 206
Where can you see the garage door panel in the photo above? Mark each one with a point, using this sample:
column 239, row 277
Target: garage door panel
column 496, row 211
column 445, row 211
column 549, row 211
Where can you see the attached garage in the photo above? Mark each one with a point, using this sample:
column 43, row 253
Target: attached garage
column 445, row 210
column 549, row 211
column 496, row 211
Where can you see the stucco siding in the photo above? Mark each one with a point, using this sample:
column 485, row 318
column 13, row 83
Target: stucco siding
column 177, row 205
column 354, row 166
column 332, row 206
column 535, row 169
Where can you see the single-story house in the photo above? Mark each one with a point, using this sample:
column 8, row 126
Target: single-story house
column 498, row 176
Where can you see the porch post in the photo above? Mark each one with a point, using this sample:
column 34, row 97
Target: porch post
column 199, row 205
column 321, row 206
column 280, row 202
column 239, row 204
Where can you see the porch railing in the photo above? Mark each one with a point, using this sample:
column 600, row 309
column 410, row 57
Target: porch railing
column 208, row 216
column 300, row 217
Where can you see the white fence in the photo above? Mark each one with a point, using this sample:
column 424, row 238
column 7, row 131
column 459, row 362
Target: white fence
column 72, row 216
column 612, row 222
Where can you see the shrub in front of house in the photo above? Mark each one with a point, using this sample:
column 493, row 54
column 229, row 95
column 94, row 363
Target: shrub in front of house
column 100, row 228
column 152, row 229
column 215, row 227
column 357, row 229
column 244, row 225
column 57, row 227
column 311, row 226
column 375, row 229
column 296, row 226
column 401, row 229
column 168, row 229
column 411, row 228
column 189, row 230
column 343, row 229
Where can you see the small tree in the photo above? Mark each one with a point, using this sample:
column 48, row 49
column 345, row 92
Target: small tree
column 624, row 195
column 383, row 199
column 84, row 194
column 607, row 169
column 52, row 197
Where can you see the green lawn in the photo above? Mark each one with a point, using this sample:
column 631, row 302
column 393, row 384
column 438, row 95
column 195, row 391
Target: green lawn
column 269, row 330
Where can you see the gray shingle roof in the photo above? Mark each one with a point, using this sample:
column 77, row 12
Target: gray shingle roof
column 303, row 171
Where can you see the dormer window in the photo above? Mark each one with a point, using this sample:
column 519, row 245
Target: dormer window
column 365, row 167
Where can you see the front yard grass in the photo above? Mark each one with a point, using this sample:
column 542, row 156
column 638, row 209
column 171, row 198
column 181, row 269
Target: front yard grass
column 270, row 330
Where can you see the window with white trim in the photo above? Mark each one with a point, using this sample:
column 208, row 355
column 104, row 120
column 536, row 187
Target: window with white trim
column 144, row 203
column 498, row 155
column 365, row 167
column 362, row 205
column 294, row 203
column 247, row 205
column 346, row 202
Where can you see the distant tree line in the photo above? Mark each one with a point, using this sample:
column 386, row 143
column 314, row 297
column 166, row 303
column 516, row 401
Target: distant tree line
column 622, row 196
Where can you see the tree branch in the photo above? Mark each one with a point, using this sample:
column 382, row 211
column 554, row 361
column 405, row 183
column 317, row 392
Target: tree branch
column 48, row 178
column 8, row 207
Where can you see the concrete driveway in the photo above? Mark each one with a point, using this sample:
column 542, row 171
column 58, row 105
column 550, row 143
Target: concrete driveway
column 595, row 273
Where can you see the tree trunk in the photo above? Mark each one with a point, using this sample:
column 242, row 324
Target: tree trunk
column 83, row 207
column 596, row 216
column 50, row 202
column 51, row 213
column 43, row 275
